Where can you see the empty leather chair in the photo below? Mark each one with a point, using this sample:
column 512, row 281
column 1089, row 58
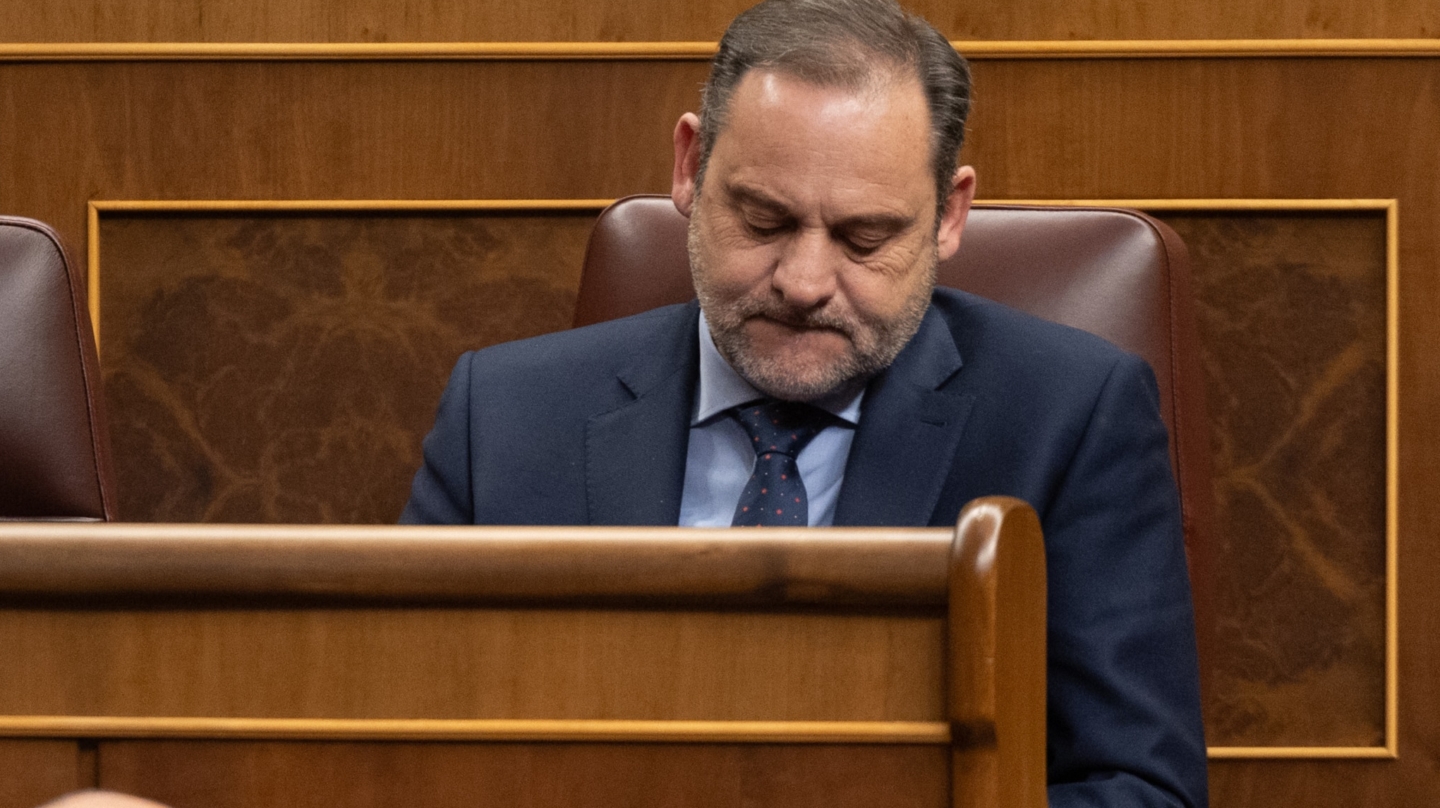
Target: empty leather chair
column 1116, row 273
column 54, row 446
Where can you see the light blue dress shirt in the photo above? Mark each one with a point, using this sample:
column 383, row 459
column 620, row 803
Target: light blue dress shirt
column 720, row 459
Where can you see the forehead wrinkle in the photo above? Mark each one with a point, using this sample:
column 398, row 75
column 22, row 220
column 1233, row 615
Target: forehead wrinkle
column 762, row 96
column 765, row 167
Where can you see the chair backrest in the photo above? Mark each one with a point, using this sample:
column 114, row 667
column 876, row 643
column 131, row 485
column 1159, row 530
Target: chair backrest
column 54, row 445
column 1116, row 273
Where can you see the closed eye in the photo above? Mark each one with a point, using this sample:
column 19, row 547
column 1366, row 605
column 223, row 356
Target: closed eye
column 760, row 216
column 863, row 241
column 861, row 246
column 765, row 226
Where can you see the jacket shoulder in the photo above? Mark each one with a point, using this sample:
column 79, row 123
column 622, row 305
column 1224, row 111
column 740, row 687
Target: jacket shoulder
column 599, row 350
column 991, row 335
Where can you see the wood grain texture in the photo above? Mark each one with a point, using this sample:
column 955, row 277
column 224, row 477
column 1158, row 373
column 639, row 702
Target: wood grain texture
column 387, row 131
column 738, row 681
column 656, row 20
column 540, row 775
column 469, row 663
column 36, row 771
column 671, row 51
column 1084, row 129
column 214, row 565
column 997, row 667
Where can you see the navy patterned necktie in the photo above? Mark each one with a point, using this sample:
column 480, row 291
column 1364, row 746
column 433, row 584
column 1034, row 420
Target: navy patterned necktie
column 778, row 430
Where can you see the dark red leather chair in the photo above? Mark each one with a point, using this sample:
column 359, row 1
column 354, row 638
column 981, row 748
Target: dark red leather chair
column 54, row 446
column 1113, row 272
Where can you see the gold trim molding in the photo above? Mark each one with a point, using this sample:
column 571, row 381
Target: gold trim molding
column 494, row 730
column 932, row 733
column 741, row 732
column 978, row 50
column 1300, row 753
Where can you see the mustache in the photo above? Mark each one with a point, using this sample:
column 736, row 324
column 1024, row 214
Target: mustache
column 812, row 319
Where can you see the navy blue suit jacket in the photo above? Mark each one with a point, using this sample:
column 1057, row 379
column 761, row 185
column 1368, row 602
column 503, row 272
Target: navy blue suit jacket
column 590, row 427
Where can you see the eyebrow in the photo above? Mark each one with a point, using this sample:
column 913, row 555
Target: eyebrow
column 744, row 195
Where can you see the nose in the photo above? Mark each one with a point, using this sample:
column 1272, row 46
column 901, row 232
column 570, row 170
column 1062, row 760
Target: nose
column 807, row 272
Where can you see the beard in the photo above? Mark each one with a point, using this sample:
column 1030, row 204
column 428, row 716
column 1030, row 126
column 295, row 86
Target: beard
column 872, row 342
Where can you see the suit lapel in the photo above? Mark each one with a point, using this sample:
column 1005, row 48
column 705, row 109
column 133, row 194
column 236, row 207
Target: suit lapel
column 909, row 430
column 635, row 454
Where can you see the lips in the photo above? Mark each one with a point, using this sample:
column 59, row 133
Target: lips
column 809, row 322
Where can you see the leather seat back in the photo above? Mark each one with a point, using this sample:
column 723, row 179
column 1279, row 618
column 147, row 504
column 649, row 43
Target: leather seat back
column 54, row 445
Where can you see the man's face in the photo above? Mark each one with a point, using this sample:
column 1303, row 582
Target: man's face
column 814, row 248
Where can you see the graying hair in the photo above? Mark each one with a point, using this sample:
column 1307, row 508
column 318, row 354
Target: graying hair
column 851, row 44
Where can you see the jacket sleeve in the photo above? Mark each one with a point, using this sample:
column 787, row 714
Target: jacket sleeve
column 441, row 493
column 1123, row 689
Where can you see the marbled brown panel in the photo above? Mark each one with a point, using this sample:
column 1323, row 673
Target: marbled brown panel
column 1292, row 322
column 284, row 368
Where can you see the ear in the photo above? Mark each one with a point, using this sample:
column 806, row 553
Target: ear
column 687, row 162
column 957, row 209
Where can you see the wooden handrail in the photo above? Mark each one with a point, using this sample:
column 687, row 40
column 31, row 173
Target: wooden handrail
column 987, row 577
column 882, row 567
column 997, row 656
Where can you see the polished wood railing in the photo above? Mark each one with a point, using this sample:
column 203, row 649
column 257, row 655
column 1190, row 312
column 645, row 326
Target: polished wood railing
column 220, row 665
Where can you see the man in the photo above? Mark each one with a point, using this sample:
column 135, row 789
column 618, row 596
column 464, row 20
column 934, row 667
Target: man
column 823, row 380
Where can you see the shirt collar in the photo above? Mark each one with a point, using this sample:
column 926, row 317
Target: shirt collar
column 721, row 388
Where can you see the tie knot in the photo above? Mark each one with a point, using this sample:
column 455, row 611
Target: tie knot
column 785, row 427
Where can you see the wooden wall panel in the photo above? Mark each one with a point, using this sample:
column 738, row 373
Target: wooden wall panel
column 661, row 20
column 1283, row 128
column 32, row 772
column 351, row 130
column 471, row 664
column 1090, row 128
column 318, row 775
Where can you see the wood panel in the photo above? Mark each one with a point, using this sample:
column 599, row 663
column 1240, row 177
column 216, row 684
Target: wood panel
column 472, row 623
column 658, row 20
column 366, row 130
column 454, row 664
column 32, row 772
column 324, row 775
column 331, row 653
column 1093, row 128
